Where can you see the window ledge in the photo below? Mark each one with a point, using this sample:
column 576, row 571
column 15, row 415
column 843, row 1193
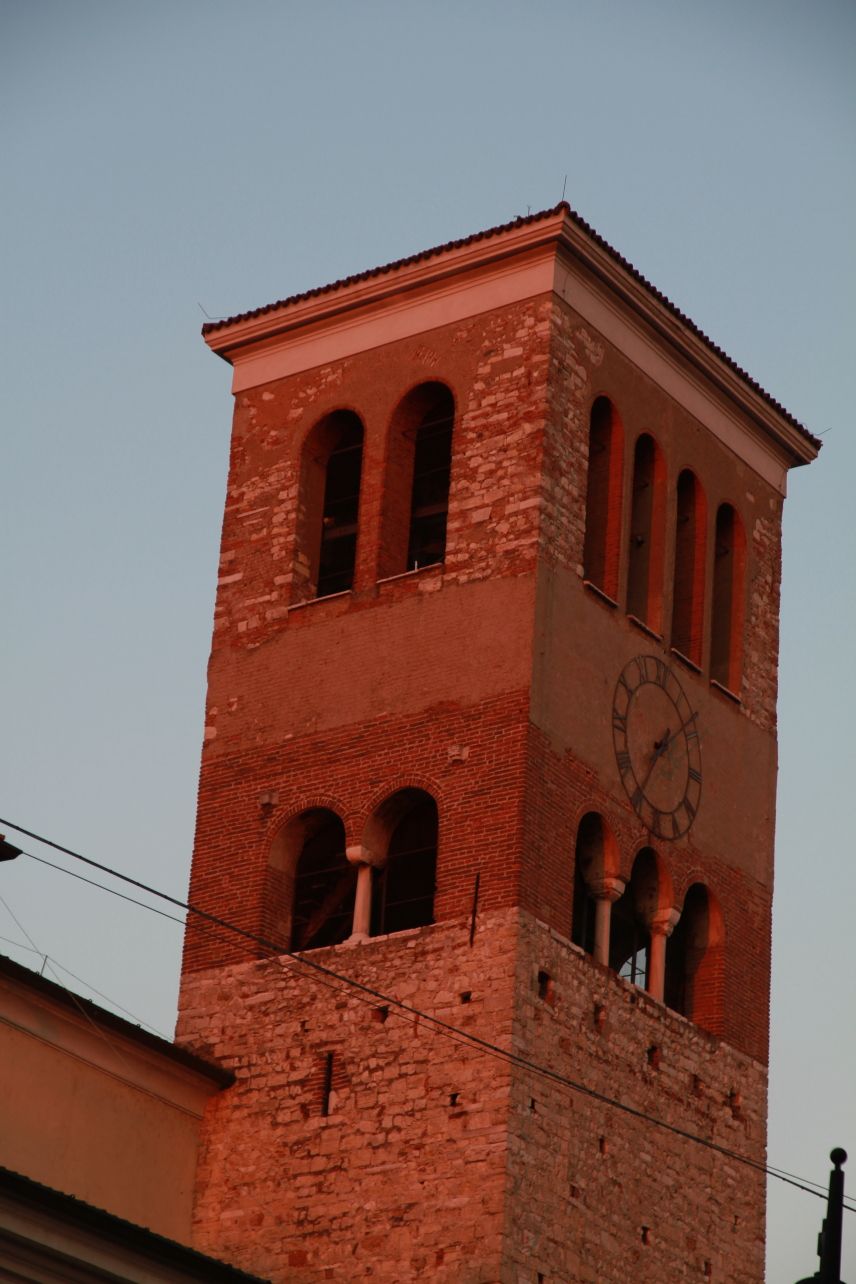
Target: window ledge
column 316, row 601
column 685, row 659
column 725, row 691
column 409, row 575
column 599, row 594
column 644, row 628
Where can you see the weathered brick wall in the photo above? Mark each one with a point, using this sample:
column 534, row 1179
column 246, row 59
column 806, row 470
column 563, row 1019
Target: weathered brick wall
column 496, row 368
column 559, row 792
column 471, row 760
column 584, row 366
column 405, row 1178
column 436, row 1161
column 488, row 682
column 761, row 648
column 596, row 1195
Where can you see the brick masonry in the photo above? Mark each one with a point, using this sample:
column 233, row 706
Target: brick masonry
column 487, row 681
column 439, row 1161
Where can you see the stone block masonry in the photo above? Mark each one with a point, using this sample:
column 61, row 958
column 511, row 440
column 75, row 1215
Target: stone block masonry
column 436, row 1161
column 360, row 1145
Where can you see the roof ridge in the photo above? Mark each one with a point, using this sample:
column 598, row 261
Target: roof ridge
column 522, row 220
column 211, row 327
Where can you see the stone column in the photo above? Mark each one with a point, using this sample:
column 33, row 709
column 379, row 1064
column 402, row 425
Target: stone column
column 660, row 924
column 364, row 861
column 605, row 891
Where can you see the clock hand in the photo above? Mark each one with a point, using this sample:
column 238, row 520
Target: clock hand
column 660, row 747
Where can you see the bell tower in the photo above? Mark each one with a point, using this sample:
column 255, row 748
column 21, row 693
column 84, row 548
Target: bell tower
column 490, row 733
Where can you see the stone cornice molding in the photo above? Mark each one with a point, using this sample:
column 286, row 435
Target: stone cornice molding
column 552, row 254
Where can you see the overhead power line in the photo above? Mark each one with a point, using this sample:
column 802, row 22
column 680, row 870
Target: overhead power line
column 377, row 999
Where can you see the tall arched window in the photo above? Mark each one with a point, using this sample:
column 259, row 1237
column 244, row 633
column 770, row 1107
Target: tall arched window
column 694, row 961
column 331, row 468
column 405, row 830
column 587, row 855
column 688, row 584
column 603, row 497
column 641, row 919
column 729, row 565
column 418, row 474
column 310, row 887
column 645, row 561
column 596, row 885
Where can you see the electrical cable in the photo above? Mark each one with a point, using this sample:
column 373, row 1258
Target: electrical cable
column 376, row 999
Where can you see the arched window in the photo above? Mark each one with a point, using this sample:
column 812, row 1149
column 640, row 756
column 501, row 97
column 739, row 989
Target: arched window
column 328, row 511
column 688, row 584
column 643, row 906
column 729, row 565
column 603, row 497
column 418, row 473
column 694, row 961
column 583, row 921
column 309, row 900
column 405, row 827
column 645, row 561
column 595, row 885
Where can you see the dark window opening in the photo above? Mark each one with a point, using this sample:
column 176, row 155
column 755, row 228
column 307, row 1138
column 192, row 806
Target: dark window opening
column 589, row 864
column 644, row 590
column 727, row 615
column 432, row 467
column 337, row 557
column 582, row 924
column 546, row 987
column 324, row 887
column 603, row 498
column 688, row 585
column 630, row 941
column 693, row 983
column 403, row 893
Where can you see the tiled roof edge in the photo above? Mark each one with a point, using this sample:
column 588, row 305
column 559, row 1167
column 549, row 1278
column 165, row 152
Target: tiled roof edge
column 211, row 327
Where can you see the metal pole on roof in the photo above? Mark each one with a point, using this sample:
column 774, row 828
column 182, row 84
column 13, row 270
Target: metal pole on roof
column 829, row 1239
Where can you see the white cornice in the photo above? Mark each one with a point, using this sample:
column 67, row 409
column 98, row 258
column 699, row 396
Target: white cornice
column 554, row 253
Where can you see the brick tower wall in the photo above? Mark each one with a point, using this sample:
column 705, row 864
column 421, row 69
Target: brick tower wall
column 488, row 683
column 339, row 701
column 405, row 1178
column 438, row 1161
column 597, row 1195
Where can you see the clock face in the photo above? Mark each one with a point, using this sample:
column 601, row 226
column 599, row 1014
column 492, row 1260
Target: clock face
column 657, row 749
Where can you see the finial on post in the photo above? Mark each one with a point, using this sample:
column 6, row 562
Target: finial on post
column 829, row 1239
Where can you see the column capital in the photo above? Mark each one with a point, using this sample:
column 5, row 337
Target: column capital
column 662, row 922
column 607, row 887
column 359, row 854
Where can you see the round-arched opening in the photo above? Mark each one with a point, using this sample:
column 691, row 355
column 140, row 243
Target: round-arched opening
column 688, row 581
column 726, row 625
column 402, row 836
column 328, row 508
column 648, row 893
column 603, row 497
column 645, row 555
column 694, row 960
column 418, row 476
column 312, row 882
column 595, row 861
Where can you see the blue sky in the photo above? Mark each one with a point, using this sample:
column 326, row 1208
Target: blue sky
column 165, row 158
